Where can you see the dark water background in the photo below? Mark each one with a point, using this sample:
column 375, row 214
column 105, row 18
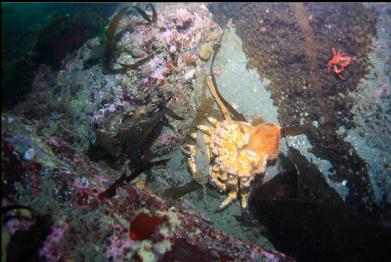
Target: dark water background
column 43, row 33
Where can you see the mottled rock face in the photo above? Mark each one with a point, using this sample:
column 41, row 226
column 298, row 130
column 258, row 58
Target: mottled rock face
column 275, row 45
column 79, row 148
column 278, row 46
column 184, row 251
column 88, row 149
column 131, row 222
column 292, row 46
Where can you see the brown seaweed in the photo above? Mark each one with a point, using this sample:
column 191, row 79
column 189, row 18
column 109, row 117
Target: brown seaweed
column 111, row 39
column 173, row 115
column 127, row 67
column 327, row 153
column 297, row 129
column 133, row 139
column 236, row 115
column 311, row 54
column 110, row 34
column 125, row 179
column 146, row 16
column 154, row 14
column 136, row 140
column 217, row 98
column 177, row 192
column 205, row 107
column 136, row 143
column 105, row 141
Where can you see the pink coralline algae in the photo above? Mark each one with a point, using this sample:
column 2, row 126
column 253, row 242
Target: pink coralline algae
column 14, row 225
column 54, row 141
column 186, row 37
column 100, row 179
column 182, row 16
column 156, row 66
column 155, row 63
column 198, row 22
column 118, row 245
column 167, row 139
column 49, row 249
column 203, row 7
column 138, row 39
column 111, row 108
column 81, row 183
column 216, row 71
column 172, row 49
column 382, row 92
column 158, row 74
column 166, row 37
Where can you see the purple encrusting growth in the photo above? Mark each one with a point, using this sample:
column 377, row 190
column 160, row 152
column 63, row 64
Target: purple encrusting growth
column 50, row 251
column 13, row 225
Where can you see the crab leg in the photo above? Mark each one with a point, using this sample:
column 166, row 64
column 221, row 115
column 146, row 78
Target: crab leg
column 233, row 195
column 244, row 199
column 206, row 137
column 216, row 182
column 192, row 166
column 244, row 186
column 205, row 129
column 212, row 120
column 189, row 150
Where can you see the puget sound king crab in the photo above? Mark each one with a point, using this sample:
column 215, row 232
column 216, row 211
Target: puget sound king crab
column 339, row 62
column 237, row 152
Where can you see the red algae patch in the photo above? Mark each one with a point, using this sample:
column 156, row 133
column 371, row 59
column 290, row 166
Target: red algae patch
column 144, row 225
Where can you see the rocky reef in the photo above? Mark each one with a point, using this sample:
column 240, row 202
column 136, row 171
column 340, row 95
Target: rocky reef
column 92, row 163
column 77, row 153
column 277, row 47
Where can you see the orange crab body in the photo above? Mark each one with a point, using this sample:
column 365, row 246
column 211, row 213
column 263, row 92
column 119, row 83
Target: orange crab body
column 339, row 62
column 237, row 153
column 230, row 153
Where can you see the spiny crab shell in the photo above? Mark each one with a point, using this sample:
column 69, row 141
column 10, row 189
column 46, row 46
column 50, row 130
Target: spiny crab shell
column 237, row 152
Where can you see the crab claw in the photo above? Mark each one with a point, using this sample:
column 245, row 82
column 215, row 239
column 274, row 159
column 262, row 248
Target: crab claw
column 337, row 69
column 328, row 67
column 232, row 196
